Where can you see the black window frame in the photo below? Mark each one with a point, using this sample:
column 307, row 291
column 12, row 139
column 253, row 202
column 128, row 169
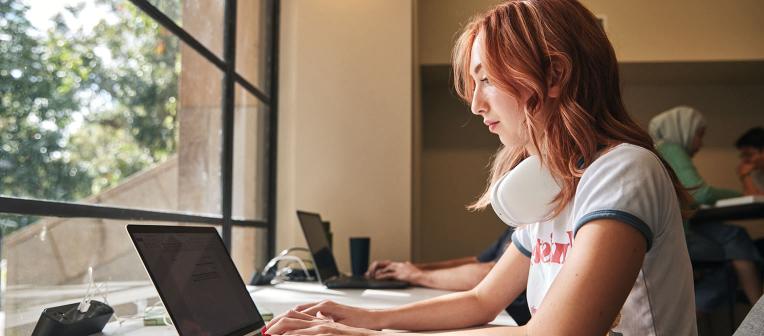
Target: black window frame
column 270, row 15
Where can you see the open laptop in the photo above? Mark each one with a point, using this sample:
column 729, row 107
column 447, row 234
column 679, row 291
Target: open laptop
column 323, row 258
column 196, row 280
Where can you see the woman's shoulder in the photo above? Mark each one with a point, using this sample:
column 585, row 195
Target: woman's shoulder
column 625, row 158
column 626, row 153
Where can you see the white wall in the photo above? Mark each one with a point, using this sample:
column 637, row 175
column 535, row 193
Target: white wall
column 645, row 30
column 683, row 30
column 345, row 122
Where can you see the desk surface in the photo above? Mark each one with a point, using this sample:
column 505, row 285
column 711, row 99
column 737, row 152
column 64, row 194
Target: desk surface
column 727, row 213
column 280, row 298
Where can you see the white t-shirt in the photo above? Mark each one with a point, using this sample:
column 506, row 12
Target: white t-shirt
column 631, row 185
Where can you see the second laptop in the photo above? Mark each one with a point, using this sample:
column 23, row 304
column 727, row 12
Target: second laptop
column 323, row 259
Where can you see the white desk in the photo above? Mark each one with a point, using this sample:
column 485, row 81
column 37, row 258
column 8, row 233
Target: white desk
column 280, row 298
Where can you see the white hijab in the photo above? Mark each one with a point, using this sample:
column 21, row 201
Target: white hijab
column 677, row 125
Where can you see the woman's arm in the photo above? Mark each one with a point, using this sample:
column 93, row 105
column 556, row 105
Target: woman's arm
column 447, row 263
column 584, row 299
column 457, row 310
column 592, row 286
column 460, row 278
column 406, row 269
column 746, row 171
column 478, row 306
column 595, row 281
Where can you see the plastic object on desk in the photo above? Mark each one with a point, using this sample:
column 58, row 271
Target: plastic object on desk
column 68, row 320
column 266, row 315
column 286, row 273
column 292, row 274
column 156, row 315
column 273, row 273
column 83, row 318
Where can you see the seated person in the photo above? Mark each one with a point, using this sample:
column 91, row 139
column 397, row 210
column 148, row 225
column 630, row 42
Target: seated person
column 599, row 245
column 751, row 169
column 459, row 274
column 454, row 274
column 678, row 135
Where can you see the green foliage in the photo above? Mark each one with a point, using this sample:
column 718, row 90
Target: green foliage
column 81, row 109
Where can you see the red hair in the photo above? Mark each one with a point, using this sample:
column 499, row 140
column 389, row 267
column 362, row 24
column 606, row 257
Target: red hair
column 530, row 45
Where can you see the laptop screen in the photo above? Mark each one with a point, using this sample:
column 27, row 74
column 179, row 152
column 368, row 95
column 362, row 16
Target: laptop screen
column 318, row 244
column 196, row 279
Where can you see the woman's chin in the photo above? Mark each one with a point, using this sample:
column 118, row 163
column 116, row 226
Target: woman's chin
column 510, row 141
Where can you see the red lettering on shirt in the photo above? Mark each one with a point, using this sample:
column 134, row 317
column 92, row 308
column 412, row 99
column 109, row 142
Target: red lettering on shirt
column 545, row 252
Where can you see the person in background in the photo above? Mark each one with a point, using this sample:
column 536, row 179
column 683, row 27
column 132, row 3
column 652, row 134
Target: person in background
column 454, row 274
column 751, row 168
column 678, row 135
column 459, row 274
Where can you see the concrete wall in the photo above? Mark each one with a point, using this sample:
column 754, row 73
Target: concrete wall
column 454, row 155
column 345, row 122
column 641, row 31
column 63, row 248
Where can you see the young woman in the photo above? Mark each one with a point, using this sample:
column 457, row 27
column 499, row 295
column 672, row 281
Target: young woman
column 604, row 251
column 678, row 135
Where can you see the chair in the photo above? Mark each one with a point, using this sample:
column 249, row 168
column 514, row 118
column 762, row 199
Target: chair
column 715, row 282
column 724, row 295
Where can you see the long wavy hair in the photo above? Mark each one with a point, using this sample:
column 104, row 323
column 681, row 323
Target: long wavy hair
column 528, row 45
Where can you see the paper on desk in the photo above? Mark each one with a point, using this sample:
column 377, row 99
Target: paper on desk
column 385, row 293
column 750, row 199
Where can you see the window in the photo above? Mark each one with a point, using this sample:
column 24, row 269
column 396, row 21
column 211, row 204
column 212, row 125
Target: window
column 115, row 112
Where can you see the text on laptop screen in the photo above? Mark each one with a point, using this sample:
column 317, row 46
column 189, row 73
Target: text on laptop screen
column 198, row 282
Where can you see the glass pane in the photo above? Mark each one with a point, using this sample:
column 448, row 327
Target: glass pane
column 45, row 264
column 251, row 42
column 97, row 108
column 250, row 157
column 203, row 19
column 248, row 252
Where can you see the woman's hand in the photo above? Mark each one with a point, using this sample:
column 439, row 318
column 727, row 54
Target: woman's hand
column 297, row 323
column 404, row 271
column 335, row 312
column 376, row 266
column 745, row 169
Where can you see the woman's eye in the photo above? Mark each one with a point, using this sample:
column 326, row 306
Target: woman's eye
column 485, row 80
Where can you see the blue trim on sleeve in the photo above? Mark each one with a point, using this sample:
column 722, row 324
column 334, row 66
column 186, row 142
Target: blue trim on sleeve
column 519, row 246
column 620, row 216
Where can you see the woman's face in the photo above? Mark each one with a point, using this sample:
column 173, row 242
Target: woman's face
column 697, row 141
column 502, row 112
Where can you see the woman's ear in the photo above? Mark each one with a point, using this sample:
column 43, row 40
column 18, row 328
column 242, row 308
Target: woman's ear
column 554, row 77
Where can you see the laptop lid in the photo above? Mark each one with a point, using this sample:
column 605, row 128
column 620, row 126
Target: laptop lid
column 323, row 258
column 196, row 280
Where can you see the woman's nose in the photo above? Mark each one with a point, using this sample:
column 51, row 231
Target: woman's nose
column 478, row 105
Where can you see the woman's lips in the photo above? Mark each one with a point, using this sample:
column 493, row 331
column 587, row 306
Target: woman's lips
column 492, row 125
